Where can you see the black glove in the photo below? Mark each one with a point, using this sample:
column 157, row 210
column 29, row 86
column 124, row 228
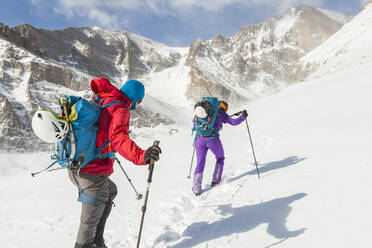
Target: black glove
column 244, row 112
column 152, row 153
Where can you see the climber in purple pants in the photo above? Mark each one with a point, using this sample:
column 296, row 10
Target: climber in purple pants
column 202, row 144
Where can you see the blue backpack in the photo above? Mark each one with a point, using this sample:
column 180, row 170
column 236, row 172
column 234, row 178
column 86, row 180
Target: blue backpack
column 79, row 145
column 204, row 126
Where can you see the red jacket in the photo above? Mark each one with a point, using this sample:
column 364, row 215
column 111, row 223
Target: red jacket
column 113, row 126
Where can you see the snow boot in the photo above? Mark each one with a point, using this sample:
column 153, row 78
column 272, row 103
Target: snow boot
column 214, row 184
column 100, row 246
column 196, row 192
column 91, row 245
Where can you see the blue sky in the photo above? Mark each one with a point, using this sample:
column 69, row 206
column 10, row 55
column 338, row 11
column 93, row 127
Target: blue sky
column 173, row 22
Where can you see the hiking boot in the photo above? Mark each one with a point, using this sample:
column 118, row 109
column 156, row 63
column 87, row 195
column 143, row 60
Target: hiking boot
column 196, row 192
column 91, row 245
column 100, row 246
column 214, row 184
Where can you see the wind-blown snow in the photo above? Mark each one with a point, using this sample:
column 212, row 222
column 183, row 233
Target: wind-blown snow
column 170, row 84
column 285, row 23
column 351, row 46
column 336, row 16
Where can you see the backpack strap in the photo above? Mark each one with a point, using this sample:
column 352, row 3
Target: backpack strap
column 209, row 140
column 110, row 155
column 99, row 155
column 33, row 174
column 110, row 103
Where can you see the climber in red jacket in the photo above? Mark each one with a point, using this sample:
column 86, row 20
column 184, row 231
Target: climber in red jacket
column 96, row 190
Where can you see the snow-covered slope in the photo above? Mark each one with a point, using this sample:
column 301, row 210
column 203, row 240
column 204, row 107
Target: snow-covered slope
column 351, row 46
column 169, row 85
column 314, row 146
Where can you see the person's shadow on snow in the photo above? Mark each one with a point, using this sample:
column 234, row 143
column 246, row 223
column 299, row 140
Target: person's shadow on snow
column 242, row 219
column 271, row 166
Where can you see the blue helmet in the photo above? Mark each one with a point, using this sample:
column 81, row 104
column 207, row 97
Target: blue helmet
column 134, row 90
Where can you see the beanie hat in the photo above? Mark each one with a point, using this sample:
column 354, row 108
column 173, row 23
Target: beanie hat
column 134, row 90
column 224, row 105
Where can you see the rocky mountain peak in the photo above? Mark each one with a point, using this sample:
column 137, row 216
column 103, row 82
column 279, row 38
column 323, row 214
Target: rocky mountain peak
column 37, row 66
column 260, row 58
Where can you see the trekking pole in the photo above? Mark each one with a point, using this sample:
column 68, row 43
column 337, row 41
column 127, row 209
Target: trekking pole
column 249, row 133
column 192, row 160
column 236, row 114
column 139, row 195
column 149, row 179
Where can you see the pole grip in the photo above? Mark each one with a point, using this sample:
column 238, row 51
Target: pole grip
column 236, row 114
column 156, row 143
column 152, row 163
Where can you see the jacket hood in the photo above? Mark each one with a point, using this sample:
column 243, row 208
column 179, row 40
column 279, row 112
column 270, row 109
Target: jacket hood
column 104, row 89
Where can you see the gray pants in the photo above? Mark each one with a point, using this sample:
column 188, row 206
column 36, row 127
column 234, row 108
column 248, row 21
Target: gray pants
column 93, row 216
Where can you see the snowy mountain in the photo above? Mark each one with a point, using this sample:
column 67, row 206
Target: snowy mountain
column 37, row 66
column 351, row 46
column 259, row 59
column 313, row 142
column 34, row 74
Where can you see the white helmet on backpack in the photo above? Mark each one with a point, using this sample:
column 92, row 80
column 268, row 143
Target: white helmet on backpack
column 48, row 127
column 200, row 112
column 201, row 109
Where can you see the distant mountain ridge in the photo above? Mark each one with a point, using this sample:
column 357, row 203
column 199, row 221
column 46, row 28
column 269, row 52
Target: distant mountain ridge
column 37, row 66
column 260, row 58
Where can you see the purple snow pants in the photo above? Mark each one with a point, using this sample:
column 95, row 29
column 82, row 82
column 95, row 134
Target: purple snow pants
column 202, row 145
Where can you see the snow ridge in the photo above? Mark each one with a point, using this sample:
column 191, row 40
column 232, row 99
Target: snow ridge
column 349, row 47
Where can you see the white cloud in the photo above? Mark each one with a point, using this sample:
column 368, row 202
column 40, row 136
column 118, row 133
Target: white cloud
column 97, row 11
column 36, row 2
column 70, row 8
column 104, row 18
column 285, row 4
column 115, row 14
column 363, row 2
column 214, row 5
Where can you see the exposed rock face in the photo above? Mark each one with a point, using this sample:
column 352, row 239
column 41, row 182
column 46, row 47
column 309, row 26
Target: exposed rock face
column 13, row 128
column 39, row 66
column 259, row 57
column 94, row 51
